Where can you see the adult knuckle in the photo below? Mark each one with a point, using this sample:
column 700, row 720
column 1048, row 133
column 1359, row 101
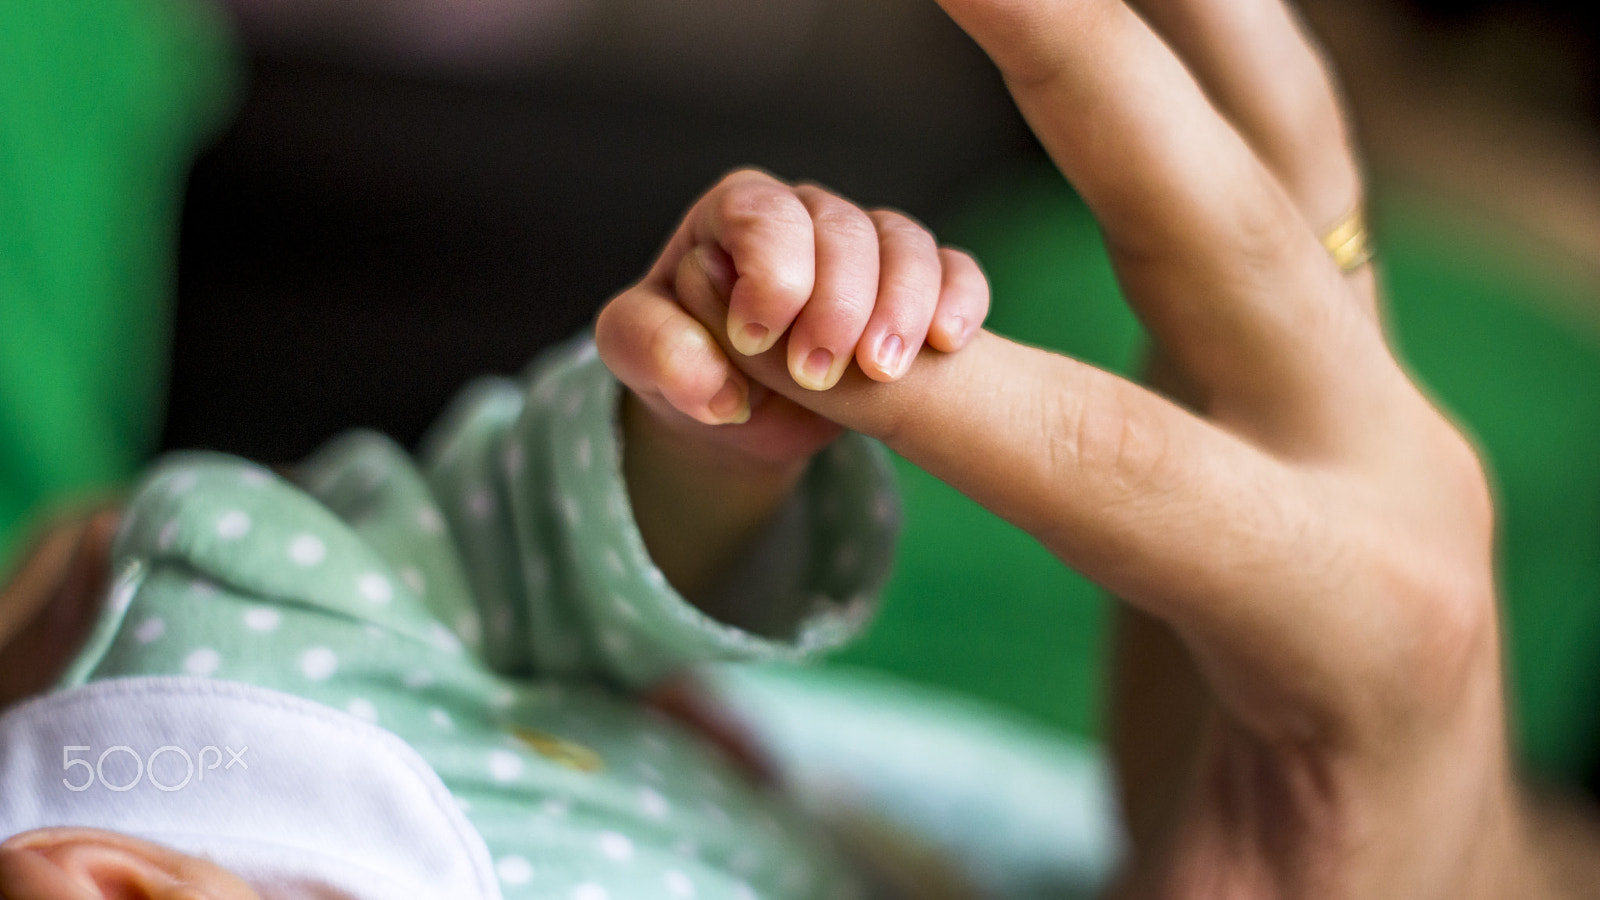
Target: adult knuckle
column 1464, row 477
column 1446, row 622
column 1110, row 440
column 1265, row 231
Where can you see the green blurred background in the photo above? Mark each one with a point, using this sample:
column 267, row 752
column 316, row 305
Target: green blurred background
column 104, row 106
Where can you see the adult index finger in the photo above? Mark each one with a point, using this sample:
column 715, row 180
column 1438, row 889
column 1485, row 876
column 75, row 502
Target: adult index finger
column 1211, row 250
column 1174, row 514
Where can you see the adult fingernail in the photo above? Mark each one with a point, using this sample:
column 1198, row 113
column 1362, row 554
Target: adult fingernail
column 813, row 374
column 731, row 405
column 718, row 268
column 890, row 349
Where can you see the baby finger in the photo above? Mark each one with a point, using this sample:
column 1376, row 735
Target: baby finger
column 963, row 301
column 908, row 292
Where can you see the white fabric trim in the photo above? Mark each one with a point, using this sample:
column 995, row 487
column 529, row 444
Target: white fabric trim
column 329, row 804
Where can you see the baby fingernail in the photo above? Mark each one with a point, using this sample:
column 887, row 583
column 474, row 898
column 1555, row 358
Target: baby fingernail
column 888, row 355
column 756, row 334
column 813, row 373
column 749, row 338
column 731, row 405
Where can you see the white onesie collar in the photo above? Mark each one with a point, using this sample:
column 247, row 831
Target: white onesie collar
column 300, row 800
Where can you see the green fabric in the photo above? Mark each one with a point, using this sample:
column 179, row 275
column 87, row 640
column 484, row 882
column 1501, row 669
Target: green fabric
column 976, row 606
column 413, row 597
column 102, row 104
column 1012, row 809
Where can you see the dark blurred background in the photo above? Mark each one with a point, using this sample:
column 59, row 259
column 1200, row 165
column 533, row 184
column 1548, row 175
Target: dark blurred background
column 387, row 217
column 398, row 205
column 393, row 196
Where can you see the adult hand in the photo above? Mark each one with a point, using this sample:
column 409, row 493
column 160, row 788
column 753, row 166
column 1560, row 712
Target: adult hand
column 1311, row 702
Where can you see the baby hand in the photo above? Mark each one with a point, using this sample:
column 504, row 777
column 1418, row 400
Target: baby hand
column 841, row 282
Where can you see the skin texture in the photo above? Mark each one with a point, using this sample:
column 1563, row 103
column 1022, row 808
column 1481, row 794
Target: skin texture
column 709, row 456
column 1309, row 699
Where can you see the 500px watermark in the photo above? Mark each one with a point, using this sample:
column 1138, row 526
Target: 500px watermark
column 128, row 767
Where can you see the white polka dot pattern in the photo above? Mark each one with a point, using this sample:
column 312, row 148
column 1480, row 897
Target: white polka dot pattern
column 616, row 847
column 202, row 662
column 149, row 630
column 518, row 535
column 362, row 708
column 504, row 765
column 307, row 550
column 513, row 871
column 319, row 663
column 678, row 884
column 262, row 618
column 233, row 525
column 375, row 588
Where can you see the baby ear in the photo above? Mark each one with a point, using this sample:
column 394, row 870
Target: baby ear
column 89, row 864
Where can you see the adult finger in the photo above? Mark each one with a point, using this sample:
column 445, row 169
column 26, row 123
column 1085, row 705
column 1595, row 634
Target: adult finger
column 1255, row 61
column 963, row 301
column 1212, row 251
column 1260, row 67
column 823, row 339
column 1179, row 517
column 667, row 357
column 908, row 291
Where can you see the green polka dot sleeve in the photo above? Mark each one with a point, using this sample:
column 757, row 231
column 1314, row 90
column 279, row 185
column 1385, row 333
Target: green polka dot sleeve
column 529, row 478
column 483, row 606
column 515, row 537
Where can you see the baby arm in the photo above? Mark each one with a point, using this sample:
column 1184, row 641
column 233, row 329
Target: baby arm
column 709, row 455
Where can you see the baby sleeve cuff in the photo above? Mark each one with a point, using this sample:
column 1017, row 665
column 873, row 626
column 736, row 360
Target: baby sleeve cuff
column 639, row 629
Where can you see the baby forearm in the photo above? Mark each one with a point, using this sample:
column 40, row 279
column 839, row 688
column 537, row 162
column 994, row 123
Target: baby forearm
column 697, row 506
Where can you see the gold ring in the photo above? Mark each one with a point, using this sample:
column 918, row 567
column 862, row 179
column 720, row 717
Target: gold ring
column 1348, row 242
